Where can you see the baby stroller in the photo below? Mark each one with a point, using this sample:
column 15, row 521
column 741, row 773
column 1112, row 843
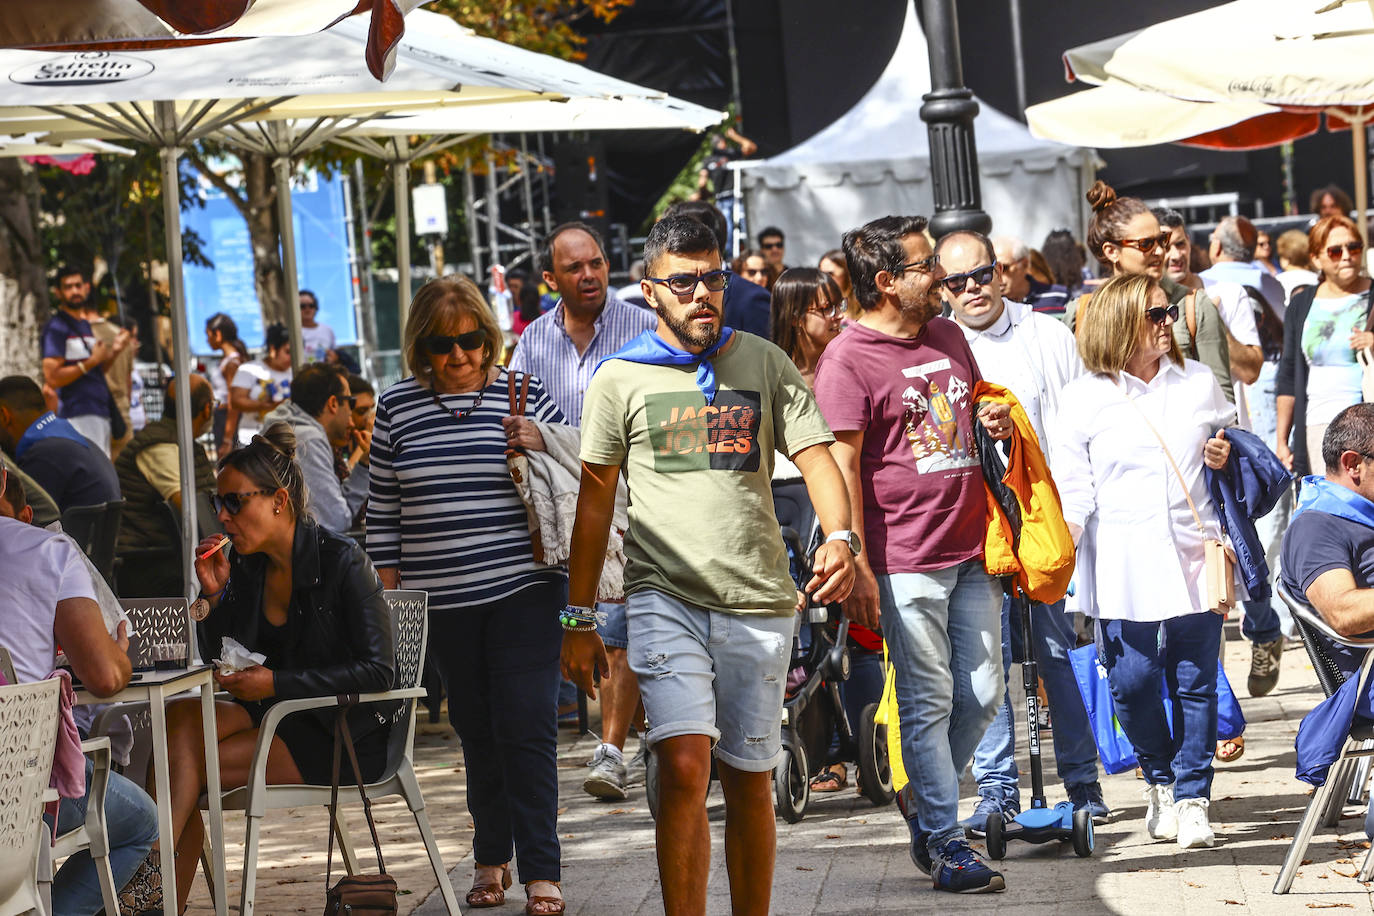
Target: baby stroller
column 813, row 710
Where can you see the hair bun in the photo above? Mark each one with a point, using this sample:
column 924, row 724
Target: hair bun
column 1101, row 196
column 279, row 437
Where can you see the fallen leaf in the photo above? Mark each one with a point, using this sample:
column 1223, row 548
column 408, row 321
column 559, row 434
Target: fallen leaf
column 1191, row 884
column 1346, row 874
column 1330, row 906
column 805, row 868
column 1232, row 903
column 832, row 836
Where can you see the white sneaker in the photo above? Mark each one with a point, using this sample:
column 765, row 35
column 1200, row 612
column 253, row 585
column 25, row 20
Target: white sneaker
column 1193, row 829
column 1160, row 820
column 607, row 777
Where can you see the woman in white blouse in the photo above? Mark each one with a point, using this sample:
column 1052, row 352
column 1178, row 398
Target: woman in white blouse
column 1140, row 551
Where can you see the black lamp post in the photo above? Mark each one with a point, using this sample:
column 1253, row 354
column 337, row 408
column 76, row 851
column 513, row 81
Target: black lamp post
column 948, row 111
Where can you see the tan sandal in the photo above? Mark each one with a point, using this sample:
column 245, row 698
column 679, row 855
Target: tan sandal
column 485, row 895
column 1236, row 747
column 540, row 905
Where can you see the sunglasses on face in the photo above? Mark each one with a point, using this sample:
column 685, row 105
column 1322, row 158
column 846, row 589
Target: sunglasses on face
column 686, row 284
column 1158, row 315
column 768, row 246
column 1146, row 245
column 981, row 276
column 1352, row 248
column 439, row 344
column 233, row 502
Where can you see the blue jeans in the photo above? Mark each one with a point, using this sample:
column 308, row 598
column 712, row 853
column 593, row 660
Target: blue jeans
column 1075, row 753
column 131, row 821
column 1184, row 650
column 944, row 635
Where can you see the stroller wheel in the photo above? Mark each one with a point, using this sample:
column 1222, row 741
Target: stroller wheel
column 875, row 773
column 792, row 783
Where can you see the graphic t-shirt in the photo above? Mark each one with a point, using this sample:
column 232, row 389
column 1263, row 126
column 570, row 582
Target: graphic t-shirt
column 702, row 525
column 924, row 501
column 1333, row 376
column 317, row 341
column 70, row 340
column 257, row 378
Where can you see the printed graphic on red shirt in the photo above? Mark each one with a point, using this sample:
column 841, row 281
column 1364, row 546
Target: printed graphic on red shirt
column 688, row 434
column 937, row 417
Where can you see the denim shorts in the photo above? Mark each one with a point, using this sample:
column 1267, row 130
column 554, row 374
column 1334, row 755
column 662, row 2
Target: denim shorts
column 709, row 673
column 613, row 631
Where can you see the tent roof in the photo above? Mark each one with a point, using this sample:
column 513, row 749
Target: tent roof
column 883, row 132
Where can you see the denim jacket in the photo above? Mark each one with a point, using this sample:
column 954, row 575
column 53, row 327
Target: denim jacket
column 1248, row 488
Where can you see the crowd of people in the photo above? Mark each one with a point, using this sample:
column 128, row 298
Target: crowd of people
column 650, row 572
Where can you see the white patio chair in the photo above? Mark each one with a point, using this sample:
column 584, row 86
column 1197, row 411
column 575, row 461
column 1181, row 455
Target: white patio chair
column 1324, row 807
column 410, row 618
column 92, row 834
column 28, row 737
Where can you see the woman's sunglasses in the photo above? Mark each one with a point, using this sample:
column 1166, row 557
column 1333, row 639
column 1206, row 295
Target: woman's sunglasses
column 982, row 277
column 233, row 502
column 1352, row 248
column 1157, row 315
column 438, row 344
column 1146, row 245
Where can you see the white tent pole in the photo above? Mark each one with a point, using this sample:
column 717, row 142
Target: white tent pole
column 1361, row 156
column 474, row 230
column 281, row 166
column 169, row 155
column 400, row 182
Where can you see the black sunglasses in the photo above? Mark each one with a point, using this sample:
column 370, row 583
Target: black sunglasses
column 981, row 276
column 1157, row 315
column 233, row 502
column 771, row 245
column 438, row 344
column 686, row 284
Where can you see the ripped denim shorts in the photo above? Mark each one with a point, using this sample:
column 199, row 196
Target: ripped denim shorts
column 709, row 673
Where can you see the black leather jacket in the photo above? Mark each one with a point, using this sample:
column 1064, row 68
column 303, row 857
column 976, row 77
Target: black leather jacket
column 339, row 636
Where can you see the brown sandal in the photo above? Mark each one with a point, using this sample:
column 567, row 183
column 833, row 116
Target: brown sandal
column 483, row 896
column 544, row 906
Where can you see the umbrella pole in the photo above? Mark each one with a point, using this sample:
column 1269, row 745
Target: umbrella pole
column 1361, row 156
column 281, row 167
column 169, row 156
column 400, row 184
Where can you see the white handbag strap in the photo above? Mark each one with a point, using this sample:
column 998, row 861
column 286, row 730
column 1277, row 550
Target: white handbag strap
column 1183, row 481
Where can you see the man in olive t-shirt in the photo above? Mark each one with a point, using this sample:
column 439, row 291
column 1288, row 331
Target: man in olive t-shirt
column 693, row 412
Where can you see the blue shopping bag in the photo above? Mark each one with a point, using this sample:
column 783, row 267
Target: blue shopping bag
column 1113, row 747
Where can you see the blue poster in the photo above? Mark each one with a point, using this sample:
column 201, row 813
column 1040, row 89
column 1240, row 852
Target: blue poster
column 322, row 261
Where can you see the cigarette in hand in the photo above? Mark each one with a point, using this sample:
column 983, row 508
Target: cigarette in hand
column 224, row 539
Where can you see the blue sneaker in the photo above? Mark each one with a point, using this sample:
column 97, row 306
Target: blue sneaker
column 920, row 839
column 975, row 825
column 1089, row 795
column 960, row 870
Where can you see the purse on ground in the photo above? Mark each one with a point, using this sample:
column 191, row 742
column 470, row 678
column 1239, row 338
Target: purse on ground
column 354, row 894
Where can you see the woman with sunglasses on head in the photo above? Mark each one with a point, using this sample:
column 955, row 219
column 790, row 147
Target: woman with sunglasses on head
column 307, row 599
column 444, row 516
column 1324, row 328
column 1128, row 439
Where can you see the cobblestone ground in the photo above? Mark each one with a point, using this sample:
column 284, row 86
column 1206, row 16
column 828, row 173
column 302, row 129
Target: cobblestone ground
column 847, row 857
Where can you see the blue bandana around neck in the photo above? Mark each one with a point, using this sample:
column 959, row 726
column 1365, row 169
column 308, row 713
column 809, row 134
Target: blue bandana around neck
column 1321, row 495
column 649, row 348
column 48, row 426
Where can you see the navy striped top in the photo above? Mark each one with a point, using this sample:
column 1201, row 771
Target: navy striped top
column 441, row 505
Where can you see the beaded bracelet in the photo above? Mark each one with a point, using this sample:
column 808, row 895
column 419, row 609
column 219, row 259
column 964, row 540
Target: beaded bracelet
column 575, row 617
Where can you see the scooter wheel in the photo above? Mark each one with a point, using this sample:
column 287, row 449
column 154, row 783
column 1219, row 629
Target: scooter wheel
column 792, row 783
column 996, row 837
column 1082, row 833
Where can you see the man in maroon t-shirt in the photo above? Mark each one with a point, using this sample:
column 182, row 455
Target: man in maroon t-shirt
column 896, row 388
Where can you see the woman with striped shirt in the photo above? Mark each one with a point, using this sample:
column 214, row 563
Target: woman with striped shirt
column 443, row 516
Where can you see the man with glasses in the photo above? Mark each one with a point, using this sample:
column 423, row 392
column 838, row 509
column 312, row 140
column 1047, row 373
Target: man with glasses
column 1035, row 356
column 694, row 412
column 562, row 348
column 358, row 453
column 772, row 243
column 1013, row 263
column 896, row 387
column 149, row 470
column 320, row 413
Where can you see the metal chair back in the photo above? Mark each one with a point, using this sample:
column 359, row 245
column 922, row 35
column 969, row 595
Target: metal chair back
column 1329, row 673
column 410, row 624
column 153, row 621
column 80, row 523
column 102, row 552
column 28, row 738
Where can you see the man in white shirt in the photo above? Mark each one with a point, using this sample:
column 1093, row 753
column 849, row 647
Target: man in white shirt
column 1035, row 356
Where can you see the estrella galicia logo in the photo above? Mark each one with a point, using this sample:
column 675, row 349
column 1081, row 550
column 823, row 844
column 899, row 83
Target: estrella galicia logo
column 88, row 68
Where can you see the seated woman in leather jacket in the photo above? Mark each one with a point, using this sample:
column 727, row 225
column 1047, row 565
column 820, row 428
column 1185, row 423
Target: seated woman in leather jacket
column 310, row 601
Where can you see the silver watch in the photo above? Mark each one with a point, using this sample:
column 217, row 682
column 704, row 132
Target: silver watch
column 849, row 537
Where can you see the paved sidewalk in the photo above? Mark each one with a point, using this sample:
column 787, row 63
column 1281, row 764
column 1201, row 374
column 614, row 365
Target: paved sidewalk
column 847, row 857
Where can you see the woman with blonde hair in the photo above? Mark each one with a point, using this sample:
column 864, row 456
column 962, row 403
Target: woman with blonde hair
column 444, row 516
column 1129, row 445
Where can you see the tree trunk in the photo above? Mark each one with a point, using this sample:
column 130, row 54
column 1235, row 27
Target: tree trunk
column 23, row 286
column 264, row 234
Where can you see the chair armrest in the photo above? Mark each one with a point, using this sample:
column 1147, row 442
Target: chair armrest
column 1314, row 619
column 93, row 746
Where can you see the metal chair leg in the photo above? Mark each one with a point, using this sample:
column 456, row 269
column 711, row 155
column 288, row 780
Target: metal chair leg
column 1316, row 807
column 1360, row 783
column 1341, row 775
column 250, row 865
column 1367, row 869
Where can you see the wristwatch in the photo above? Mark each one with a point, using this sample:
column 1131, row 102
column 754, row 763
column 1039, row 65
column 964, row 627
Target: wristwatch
column 849, row 537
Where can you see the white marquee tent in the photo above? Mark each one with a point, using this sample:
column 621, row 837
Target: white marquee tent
column 875, row 160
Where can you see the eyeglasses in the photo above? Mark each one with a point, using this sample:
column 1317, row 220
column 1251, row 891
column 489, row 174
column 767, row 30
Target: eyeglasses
column 925, row 265
column 686, row 284
column 1146, row 245
column 832, row 311
column 1352, row 248
column 769, row 246
column 350, row 400
column 438, row 344
column 233, row 502
column 1157, row 315
column 981, row 276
